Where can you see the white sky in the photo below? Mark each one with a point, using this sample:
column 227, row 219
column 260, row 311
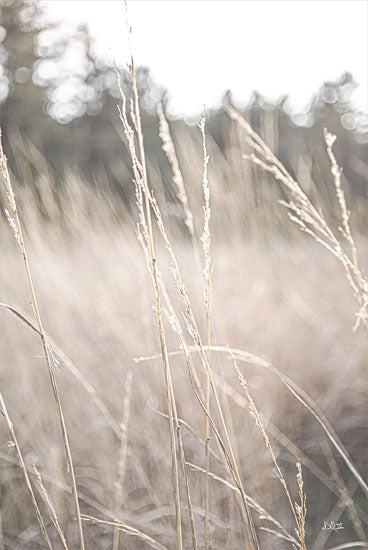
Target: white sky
column 200, row 48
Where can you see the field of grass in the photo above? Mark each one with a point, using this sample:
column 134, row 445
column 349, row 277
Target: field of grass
column 211, row 446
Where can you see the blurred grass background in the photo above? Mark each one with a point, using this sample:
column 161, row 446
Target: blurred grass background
column 275, row 294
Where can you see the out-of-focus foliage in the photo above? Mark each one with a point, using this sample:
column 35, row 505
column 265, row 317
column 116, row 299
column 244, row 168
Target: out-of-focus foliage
column 59, row 116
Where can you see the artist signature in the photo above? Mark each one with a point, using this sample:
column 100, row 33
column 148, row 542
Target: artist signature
column 332, row 526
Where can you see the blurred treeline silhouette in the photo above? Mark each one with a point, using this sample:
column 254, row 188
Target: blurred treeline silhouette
column 60, row 124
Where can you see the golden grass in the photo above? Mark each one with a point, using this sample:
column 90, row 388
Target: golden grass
column 14, row 222
column 102, row 315
column 14, row 441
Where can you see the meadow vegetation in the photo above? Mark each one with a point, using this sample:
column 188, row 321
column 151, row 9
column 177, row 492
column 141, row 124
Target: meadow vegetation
column 184, row 353
column 284, row 300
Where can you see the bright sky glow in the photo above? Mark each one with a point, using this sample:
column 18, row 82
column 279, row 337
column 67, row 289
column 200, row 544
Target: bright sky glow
column 200, row 48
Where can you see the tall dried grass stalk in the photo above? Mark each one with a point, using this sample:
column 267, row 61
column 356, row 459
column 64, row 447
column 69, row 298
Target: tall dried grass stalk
column 146, row 239
column 263, row 513
column 14, row 221
column 206, row 241
column 301, row 508
column 307, row 217
column 194, row 332
column 143, row 238
column 53, row 516
column 1, row 526
column 123, row 452
column 71, row 367
column 362, row 283
column 88, row 500
column 305, row 399
column 302, row 396
column 343, row 491
column 101, row 405
column 145, row 228
column 199, row 393
column 142, row 187
column 128, row 530
column 294, row 450
column 169, row 149
column 4, row 411
column 298, row 511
